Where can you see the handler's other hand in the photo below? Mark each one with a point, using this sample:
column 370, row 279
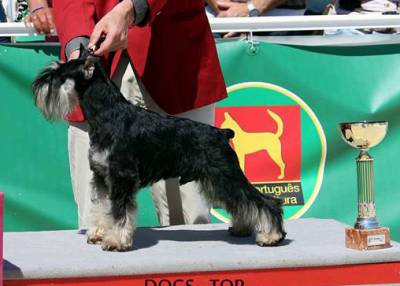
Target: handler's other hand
column 41, row 20
column 213, row 5
column 111, row 32
column 232, row 9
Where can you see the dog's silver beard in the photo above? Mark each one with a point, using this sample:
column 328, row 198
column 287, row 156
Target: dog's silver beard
column 56, row 104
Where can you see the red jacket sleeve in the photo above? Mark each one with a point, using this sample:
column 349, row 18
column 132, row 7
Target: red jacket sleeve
column 73, row 18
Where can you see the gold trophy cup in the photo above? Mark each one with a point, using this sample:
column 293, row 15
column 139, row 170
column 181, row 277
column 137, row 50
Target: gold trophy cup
column 366, row 234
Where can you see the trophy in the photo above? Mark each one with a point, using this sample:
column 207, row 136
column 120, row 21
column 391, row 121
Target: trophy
column 366, row 234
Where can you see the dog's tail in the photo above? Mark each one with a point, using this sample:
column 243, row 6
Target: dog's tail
column 228, row 133
column 278, row 121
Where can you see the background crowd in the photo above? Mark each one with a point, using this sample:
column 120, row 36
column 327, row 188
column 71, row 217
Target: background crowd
column 38, row 12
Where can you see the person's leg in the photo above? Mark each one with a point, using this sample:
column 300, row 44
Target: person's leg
column 81, row 175
column 177, row 204
column 3, row 19
column 184, row 204
column 195, row 207
column 165, row 193
column 174, row 204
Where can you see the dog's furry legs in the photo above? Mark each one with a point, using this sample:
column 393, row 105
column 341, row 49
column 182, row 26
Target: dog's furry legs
column 113, row 213
column 101, row 206
column 251, row 210
column 121, row 224
column 263, row 214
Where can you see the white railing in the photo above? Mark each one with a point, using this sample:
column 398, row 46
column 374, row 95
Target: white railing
column 257, row 24
column 16, row 29
column 303, row 23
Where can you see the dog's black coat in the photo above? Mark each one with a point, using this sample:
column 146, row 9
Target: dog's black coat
column 144, row 147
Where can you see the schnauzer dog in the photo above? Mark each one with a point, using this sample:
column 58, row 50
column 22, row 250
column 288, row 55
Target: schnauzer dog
column 131, row 147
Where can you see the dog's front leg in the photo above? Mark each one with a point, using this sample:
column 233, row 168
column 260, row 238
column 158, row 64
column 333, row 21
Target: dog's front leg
column 100, row 208
column 121, row 221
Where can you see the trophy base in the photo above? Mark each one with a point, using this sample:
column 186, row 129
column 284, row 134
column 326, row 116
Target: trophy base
column 366, row 223
column 368, row 239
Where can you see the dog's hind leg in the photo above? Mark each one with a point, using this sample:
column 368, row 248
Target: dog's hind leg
column 254, row 212
column 264, row 214
column 227, row 186
column 121, row 220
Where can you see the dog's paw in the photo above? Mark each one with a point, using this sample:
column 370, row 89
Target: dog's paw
column 240, row 232
column 269, row 239
column 114, row 245
column 95, row 235
column 115, row 242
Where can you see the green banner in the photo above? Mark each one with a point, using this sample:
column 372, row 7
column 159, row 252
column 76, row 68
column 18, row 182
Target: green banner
column 286, row 100
column 327, row 85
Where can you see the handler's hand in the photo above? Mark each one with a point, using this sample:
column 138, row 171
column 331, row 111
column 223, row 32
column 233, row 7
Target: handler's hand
column 42, row 20
column 113, row 27
column 232, row 9
column 213, row 4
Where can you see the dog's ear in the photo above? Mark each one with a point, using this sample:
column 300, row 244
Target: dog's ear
column 89, row 66
column 90, row 61
column 83, row 52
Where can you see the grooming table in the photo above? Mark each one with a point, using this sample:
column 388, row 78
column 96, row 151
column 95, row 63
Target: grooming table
column 198, row 255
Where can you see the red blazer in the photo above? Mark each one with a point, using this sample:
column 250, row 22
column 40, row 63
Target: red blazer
column 174, row 53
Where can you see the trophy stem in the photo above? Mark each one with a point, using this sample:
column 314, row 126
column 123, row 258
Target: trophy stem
column 366, row 198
